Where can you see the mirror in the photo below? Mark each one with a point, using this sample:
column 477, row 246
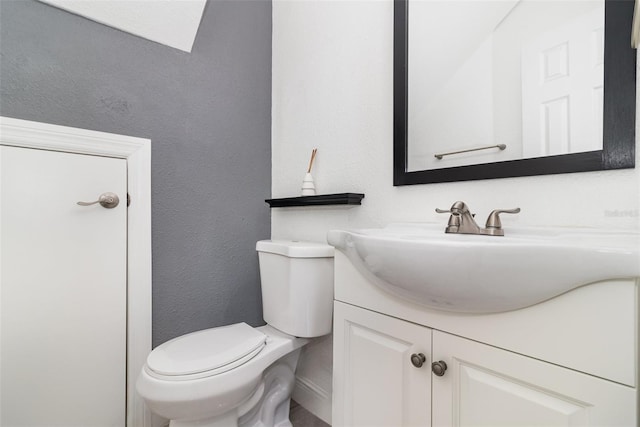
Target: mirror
column 493, row 89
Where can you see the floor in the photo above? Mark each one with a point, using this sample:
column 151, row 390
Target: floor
column 300, row 417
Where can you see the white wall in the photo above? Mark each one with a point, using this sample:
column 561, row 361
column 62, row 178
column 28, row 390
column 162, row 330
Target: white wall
column 457, row 116
column 451, row 105
column 172, row 23
column 332, row 88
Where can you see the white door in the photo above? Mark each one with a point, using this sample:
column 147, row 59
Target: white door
column 562, row 88
column 62, row 290
column 375, row 382
column 487, row 386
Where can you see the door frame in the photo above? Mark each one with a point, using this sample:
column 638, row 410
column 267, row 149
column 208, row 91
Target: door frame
column 137, row 153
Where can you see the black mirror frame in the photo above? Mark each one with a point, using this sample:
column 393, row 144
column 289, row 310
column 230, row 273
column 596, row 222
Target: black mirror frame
column 619, row 112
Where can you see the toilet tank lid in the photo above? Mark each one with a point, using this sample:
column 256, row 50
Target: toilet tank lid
column 295, row 249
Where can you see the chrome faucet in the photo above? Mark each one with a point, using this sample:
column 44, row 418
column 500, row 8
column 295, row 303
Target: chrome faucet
column 461, row 220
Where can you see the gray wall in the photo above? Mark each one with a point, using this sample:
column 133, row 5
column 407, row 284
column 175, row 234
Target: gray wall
column 208, row 116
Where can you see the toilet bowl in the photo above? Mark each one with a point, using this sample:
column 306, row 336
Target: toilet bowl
column 237, row 375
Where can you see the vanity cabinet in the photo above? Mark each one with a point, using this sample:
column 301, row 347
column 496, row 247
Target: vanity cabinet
column 377, row 384
column 488, row 386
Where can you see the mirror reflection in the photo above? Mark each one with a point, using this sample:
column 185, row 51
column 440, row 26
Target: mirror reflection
column 506, row 80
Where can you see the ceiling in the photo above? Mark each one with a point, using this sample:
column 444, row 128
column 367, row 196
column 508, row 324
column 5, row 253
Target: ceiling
column 172, row 23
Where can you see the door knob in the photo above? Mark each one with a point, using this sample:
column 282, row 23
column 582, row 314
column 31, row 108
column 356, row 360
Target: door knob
column 418, row 359
column 439, row 368
column 106, row 200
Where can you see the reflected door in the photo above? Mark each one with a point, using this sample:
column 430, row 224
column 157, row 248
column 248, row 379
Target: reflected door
column 562, row 88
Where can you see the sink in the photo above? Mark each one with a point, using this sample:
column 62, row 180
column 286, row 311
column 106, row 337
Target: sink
column 487, row 274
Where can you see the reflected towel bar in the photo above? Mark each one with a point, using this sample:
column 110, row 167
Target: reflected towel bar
column 500, row 146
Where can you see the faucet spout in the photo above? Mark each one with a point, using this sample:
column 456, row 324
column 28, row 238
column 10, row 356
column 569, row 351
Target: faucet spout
column 461, row 220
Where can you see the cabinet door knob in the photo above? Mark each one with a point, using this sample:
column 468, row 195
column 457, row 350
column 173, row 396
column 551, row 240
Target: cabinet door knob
column 418, row 359
column 439, row 368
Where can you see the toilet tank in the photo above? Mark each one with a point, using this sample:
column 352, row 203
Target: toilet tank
column 297, row 286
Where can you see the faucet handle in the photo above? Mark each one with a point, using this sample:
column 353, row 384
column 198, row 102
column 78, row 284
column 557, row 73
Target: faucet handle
column 494, row 217
column 454, row 220
column 456, row 209
column 453, row 212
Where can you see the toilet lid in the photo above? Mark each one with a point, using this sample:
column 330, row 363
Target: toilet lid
column 210, row 351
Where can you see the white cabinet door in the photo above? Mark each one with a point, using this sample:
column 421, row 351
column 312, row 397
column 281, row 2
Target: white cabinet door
column 375, row 382
column 63, row 290
column 487, row 386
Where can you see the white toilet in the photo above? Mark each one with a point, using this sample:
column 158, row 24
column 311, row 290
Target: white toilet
column 237, row 375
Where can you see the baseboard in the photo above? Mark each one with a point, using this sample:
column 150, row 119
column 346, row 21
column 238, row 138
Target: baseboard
column 158, row 421
column 313, row 398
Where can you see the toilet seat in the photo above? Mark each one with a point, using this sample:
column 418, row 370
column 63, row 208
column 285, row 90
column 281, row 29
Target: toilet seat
column 205, row 353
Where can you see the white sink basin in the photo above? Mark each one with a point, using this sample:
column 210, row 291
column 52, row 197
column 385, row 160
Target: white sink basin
column 487, row 274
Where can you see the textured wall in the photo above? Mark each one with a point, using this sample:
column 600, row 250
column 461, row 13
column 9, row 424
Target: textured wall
column 348, row 114
column 346, row 49
column 207, row 114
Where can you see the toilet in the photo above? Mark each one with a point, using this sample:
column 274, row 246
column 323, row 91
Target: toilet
column 237, row 375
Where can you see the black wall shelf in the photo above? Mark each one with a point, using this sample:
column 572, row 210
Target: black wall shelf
column 318, row 200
